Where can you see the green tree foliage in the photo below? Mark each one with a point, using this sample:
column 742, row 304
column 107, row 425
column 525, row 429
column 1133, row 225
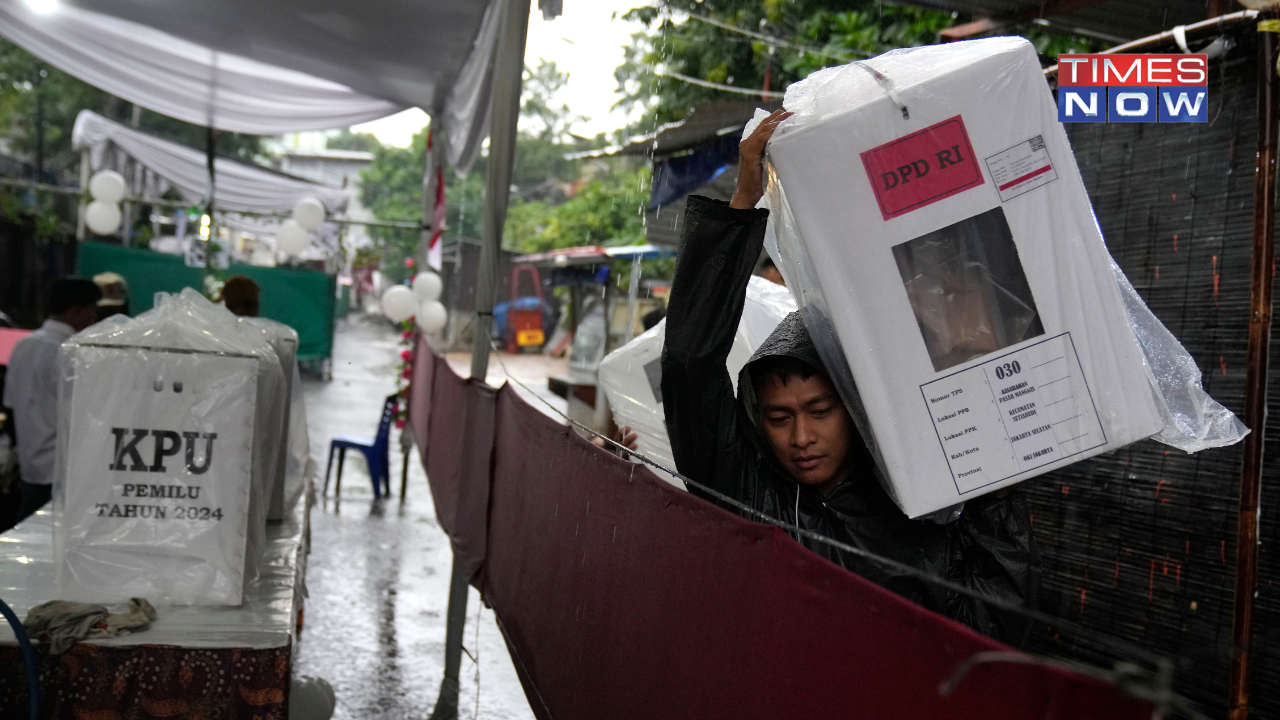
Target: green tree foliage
column 551, row 206
column 539, row 117
column 347, row 140
column 391, row 188
column 25, row 83
column 29, row 90
column 607, row 210
column 810, row 34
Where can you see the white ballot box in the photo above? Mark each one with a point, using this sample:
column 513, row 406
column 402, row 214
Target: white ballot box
column 156, row 503
column 275, row 421
column 930, row 209
column 631, row 376
column 164, row 455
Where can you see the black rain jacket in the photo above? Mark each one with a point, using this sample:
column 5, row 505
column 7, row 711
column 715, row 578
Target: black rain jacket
column 715, row 442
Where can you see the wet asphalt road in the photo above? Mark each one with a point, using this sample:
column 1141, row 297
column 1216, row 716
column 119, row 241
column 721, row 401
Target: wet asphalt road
column 378, row 574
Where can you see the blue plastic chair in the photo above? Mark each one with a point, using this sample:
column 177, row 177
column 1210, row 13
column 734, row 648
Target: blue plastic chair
column 376, row 452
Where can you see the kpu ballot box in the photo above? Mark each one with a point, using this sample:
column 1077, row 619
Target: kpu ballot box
column 171, row 433
column 929, row 208
column 156, row 488
column 631, row 376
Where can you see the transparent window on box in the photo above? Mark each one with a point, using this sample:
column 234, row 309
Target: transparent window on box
column 967, row 289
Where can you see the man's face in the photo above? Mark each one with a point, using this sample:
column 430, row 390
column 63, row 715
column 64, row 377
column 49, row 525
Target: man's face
column 807, row 427
column 80, row 316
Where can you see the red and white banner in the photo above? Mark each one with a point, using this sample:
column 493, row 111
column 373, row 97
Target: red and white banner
column 435, row 248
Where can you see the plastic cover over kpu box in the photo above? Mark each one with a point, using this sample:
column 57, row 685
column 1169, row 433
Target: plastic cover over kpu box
column 163, row 467
column 284, row 340
column 631, row 376
column 932, row 221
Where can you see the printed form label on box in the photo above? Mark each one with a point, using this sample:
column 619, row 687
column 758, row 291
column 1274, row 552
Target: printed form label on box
column 1014, row 413
column 1021, row 168
column 922, row 168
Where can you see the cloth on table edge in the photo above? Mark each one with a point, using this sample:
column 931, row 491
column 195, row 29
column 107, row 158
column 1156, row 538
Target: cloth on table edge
column 62, row 623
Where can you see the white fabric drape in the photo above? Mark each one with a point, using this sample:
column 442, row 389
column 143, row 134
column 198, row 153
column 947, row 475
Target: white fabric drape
column 182, row 79
column 465, row 119
column 240, row 186
column 283, row 66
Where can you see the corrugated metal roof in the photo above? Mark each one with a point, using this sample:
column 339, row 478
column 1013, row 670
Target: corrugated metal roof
column 705, row 122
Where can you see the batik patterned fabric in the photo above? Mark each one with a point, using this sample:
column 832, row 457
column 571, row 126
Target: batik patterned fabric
column 93, row 682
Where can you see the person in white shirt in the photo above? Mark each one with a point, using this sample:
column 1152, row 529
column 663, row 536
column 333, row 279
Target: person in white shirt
column 31, row 386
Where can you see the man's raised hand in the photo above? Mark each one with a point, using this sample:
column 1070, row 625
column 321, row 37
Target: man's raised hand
column 751, row 161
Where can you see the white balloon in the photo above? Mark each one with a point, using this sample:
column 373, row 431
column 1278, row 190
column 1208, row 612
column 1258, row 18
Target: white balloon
column 107, row 186
column 102, row 217
column 399, row 303
column 291, row 238
column 432, row 316
column 427, row 286
column 308, row 213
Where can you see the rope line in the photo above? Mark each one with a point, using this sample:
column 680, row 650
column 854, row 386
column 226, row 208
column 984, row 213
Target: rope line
column 1120, row 647
column 717, row 86
column 847, row 55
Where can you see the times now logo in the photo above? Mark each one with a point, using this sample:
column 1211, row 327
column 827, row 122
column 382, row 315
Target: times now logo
column 1133, row 88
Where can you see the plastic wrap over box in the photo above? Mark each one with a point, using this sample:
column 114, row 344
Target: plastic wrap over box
column 631, row 376
column 163, row 470
column 931, row 215
column 284, row 340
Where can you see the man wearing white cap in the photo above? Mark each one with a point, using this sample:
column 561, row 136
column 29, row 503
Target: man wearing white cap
column 115, row 294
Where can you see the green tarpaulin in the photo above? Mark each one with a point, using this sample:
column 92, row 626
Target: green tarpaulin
column 301, row 299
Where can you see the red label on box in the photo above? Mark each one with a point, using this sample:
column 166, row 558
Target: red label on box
column 922, row 168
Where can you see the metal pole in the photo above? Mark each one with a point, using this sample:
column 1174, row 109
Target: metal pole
column 126, row 224
column 505, row 114
column 40, row 73
column 210, row 154
column 504, row 109
column 1194, row 31
column 126, row 210
column 84, row 194
column 1255, row 399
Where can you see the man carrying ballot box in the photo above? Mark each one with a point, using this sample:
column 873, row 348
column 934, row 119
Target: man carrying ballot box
column 787, row 446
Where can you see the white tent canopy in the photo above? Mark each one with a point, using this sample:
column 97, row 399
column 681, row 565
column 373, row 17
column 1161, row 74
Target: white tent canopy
column 460, row 60
column 152, row 166
column 184, row 80
column 286, row 65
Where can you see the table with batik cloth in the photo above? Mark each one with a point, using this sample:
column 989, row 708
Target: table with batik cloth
column 192, row 662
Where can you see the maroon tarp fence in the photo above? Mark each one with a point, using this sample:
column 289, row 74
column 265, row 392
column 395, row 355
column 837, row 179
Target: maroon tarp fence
column 623, row 597
column 457, row 454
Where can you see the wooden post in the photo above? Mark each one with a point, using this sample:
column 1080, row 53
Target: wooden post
column 1255, row 399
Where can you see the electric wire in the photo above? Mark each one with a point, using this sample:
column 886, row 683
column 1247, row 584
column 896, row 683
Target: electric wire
column 29, row 659
column 775, row 41
column 716, row 86
column 771, row 40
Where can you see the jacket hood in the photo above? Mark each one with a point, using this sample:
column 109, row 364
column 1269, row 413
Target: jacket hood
column 790, row 339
